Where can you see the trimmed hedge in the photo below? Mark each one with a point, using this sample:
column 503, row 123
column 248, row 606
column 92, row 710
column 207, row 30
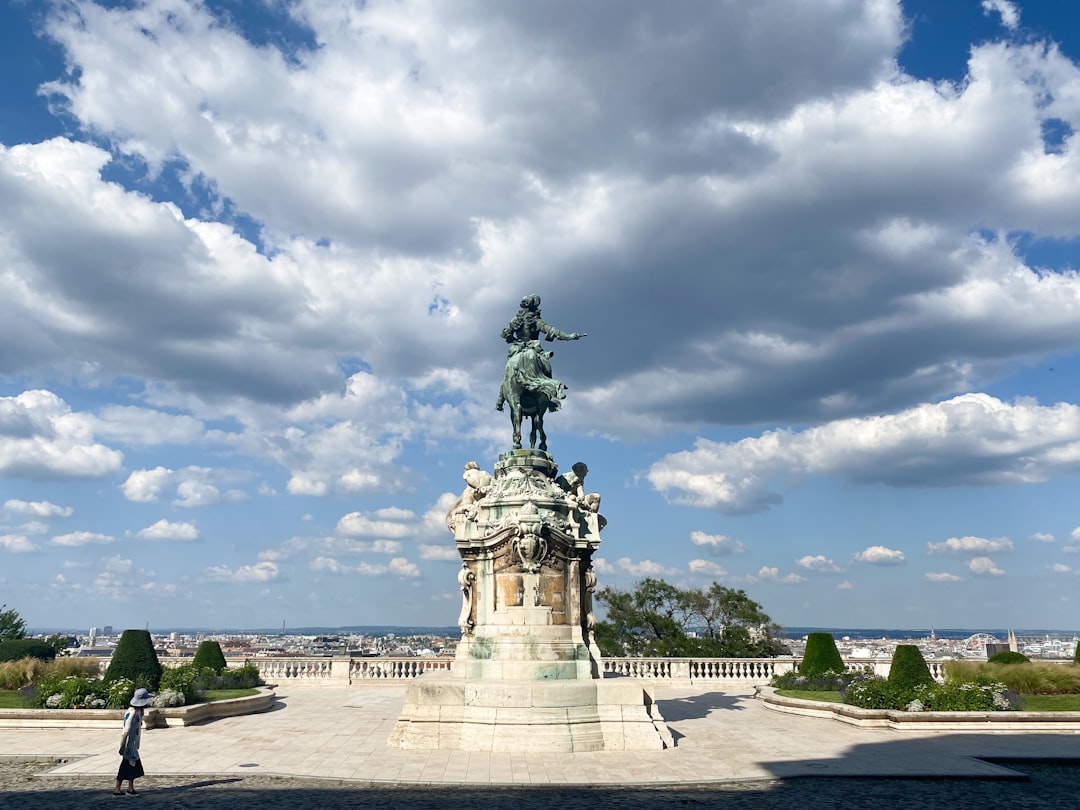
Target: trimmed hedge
column 1008, row 657
column 17, row 648
column 909, row 668
column 209, row 656
column 136, row 660
column 821, row 655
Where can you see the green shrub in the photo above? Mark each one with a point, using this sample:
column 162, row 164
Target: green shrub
column 243, row 677
column 965, row 697
column 1008, row 657
column 1076, row 655
column 821, row 655
column 909, row 668
column 118, row 693
column 134, row 658
column 188, row 680
column 16, row 648
column 210, row 655
column 876, row 693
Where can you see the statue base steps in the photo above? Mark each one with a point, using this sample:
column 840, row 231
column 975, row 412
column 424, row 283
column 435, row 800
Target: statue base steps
column 512, row 716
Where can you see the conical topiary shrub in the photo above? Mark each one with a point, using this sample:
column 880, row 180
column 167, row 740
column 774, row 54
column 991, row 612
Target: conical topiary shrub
column 210, row 655
column 821, row 655
column 909, row 668
column 134, row 658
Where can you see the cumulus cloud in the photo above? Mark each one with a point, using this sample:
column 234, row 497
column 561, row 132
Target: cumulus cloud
column 42, row 439
column 772, row 574
column 880, row 555
column 42, row 509
column 166, row 530
column 819, row 564
column 443, row 552
column 191, row 486
column 642, row 568
column 81, row 538
column 984, row 567
column 1061, row 568
column 845, row 586
column 1042, row 537
column 972, row 439
column 18, row 544
column 398, row 566
column 384, row 523
column 970, row 545
column 264, row 571
column 718, row 544
column 936, row 576
column 1008, row 11
column 707, row 567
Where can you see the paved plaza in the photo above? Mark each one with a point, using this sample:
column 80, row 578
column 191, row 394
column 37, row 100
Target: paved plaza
column 327, row 747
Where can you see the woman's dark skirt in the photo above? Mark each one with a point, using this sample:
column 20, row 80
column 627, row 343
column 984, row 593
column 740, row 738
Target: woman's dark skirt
column 129, row 770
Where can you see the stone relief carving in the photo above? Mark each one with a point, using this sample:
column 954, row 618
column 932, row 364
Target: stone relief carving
column 530, row 544
column 466, row 579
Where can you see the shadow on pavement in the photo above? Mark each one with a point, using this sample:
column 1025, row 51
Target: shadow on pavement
column 1049, row 787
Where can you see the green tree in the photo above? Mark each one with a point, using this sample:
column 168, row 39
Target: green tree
column 59, row 641
column 209, row 655
column 135, row 658
column 12, row 625
column 657, row 619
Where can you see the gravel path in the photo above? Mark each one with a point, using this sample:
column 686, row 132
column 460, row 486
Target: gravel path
column 23, row 786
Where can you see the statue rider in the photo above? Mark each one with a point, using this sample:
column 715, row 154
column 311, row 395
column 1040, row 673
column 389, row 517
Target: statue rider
column 526, row 356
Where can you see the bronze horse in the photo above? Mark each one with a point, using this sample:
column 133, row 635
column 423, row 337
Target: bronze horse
column 529, row 401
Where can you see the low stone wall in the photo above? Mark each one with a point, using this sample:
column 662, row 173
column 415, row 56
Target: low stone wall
column 114, row 718
column 1011, row 722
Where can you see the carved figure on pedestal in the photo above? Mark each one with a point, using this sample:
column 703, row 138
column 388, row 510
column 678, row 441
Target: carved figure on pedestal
column 527, row 383
column 477, row 484
column 586, row 505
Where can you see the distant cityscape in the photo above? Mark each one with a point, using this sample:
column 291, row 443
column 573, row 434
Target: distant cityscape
column 429, row 642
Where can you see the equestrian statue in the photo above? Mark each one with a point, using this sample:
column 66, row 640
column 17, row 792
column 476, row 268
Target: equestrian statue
column 527, row 385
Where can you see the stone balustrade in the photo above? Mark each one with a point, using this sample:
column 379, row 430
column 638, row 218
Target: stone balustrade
column 342, row 671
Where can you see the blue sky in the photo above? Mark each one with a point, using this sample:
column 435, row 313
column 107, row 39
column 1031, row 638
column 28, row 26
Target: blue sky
column 255, row 259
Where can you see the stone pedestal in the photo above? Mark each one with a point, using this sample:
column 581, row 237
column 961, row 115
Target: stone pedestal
column 527, row 672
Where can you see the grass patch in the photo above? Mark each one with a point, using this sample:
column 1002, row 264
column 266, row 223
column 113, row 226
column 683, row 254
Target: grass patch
column 10, row 699
column 228, row 694
column 825, row 697
column 1050, row 703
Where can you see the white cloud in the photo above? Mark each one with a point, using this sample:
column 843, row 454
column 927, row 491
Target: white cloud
column 602, row 566
column 1009, row 11
column 972, row 439
column 819, row 564
column 132, row 425
column 970, row 545
column 443, row 552
column 646, row 568
column 403, row 568
column 117, row 565
column 1042, row 537
column 718, row 544
column 772, row 574
column 707, row 567
column 145, row 486
column 845, row 586
column 1061, row 568
column 264, row 571
column 17, row 543
column 42, row 509
column 880, row 555
column 42, row 439
column 933, row 576
column 358, row 524
column 165, row 530
column 81, row 539
column 984, row 566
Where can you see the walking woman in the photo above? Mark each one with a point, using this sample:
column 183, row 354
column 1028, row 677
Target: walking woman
column 131, row 766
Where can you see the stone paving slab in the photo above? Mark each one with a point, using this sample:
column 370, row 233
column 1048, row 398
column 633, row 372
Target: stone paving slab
column 341, row 734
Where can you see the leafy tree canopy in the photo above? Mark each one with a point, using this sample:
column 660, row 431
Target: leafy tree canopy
column 657, row 619
column 12, row 625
